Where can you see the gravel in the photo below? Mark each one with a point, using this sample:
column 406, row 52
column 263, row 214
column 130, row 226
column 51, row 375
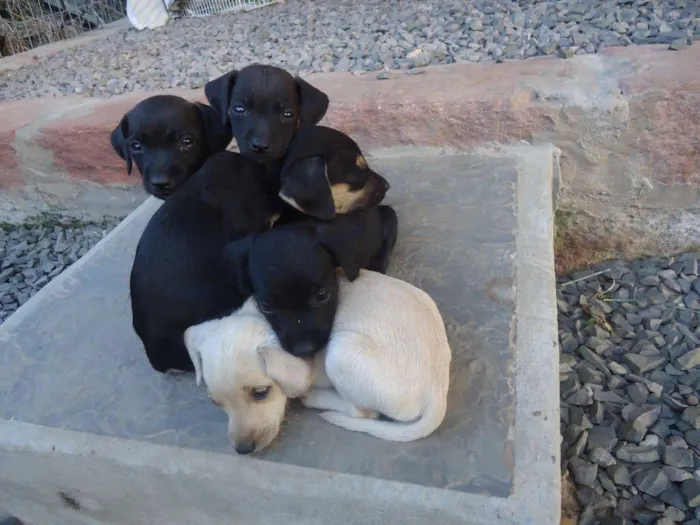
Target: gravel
column 357, row 36
column 32, row 255
column 629, row 337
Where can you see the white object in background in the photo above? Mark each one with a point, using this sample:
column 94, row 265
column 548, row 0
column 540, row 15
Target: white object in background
column 148, row 14
column 195, row 8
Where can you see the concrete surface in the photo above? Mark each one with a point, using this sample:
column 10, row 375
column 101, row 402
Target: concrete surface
column 90, row 433
column 626, row 121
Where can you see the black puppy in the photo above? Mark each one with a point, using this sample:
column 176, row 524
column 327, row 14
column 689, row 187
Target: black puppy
column 264, row 105
column 178, row 278
column 168, row 138
column 290, row 270
column 325, row 173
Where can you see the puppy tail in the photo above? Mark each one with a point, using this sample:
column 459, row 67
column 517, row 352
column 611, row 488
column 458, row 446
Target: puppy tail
column 431, row 418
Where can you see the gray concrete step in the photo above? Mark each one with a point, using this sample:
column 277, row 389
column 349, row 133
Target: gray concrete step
column 475, row 233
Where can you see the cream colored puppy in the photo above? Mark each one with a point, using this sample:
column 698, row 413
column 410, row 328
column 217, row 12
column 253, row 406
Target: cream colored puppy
column 388, row 354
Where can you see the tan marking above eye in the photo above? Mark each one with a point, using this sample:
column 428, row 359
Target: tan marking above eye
column 360, row 162
column 344, row 198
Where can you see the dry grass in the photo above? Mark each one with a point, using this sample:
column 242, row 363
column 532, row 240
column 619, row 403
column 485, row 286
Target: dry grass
column 570, row 508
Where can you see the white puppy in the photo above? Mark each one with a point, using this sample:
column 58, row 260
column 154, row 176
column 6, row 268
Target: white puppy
column 388, row 354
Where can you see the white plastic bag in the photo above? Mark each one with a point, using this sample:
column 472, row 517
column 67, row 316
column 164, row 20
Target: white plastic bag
column 148, row 14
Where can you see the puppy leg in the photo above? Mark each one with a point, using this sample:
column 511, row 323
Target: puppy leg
column 390, row 230
column 329, row 399
column 362, row 374
column 165, row 354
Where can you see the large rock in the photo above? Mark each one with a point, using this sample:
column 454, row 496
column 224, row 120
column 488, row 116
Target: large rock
column 677, row 457
column 689, row 360
column 691, row 491
column 651, row 481
column 637, row 454
column 584, row 472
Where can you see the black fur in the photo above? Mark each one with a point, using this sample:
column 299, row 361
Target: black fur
column 290, row 270
column 178, row 278
column 321, row 161
column 264, row 105
column 168, row 138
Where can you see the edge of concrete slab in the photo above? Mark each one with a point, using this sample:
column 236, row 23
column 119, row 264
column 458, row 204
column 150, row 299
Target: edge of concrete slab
column 40, row 466
column 537, row 481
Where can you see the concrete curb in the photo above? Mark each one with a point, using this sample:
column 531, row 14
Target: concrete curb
column 54, row 476
column 626, row 122
column 537, row 366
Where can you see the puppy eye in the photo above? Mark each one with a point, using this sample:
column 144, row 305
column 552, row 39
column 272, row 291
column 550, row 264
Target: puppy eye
column 265, row 308
column 322, row 296
column 260, row 393
column 288, row 114
column 135, row 146
column 238, row 109
column 186, row 143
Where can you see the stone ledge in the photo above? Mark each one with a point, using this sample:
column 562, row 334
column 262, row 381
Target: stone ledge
column 627, row 123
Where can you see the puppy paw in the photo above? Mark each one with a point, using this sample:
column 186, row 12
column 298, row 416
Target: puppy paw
column 175, row 372
column 318, row 399
column 333, row 417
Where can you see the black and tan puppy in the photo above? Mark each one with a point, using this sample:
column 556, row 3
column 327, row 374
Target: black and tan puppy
column 178, row 278
column 325, row 174
column 264, row 105
column 291, row 270
column 168, row 138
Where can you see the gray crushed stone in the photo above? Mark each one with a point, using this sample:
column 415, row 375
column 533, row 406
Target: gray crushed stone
column 352, row 35
column 32, row 255
column 629, row 337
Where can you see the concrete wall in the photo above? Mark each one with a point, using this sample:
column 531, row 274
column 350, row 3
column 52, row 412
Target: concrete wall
column 627, row 122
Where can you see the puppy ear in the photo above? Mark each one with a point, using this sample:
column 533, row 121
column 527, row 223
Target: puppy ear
column 236, row 256
column 293, row 374
column 218, row 135
column 305, row 187
column 341, row 249
column 312, row 101
column 198, row 339
column 118, row 140
column 218, row 93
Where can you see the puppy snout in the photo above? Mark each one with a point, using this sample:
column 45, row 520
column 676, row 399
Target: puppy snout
column 259, row 146
column 160, row 183
column 304, row 348
column 245, row 447
column 380, row 182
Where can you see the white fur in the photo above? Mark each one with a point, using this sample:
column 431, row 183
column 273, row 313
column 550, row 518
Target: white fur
column 388, row 354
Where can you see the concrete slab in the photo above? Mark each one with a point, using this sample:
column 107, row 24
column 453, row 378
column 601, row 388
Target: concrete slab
column 78, row 398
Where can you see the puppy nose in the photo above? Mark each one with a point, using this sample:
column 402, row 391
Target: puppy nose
column 259, row 146
column 245, row 448
column 386, row 185
column 304, row 348
column 161, row 184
